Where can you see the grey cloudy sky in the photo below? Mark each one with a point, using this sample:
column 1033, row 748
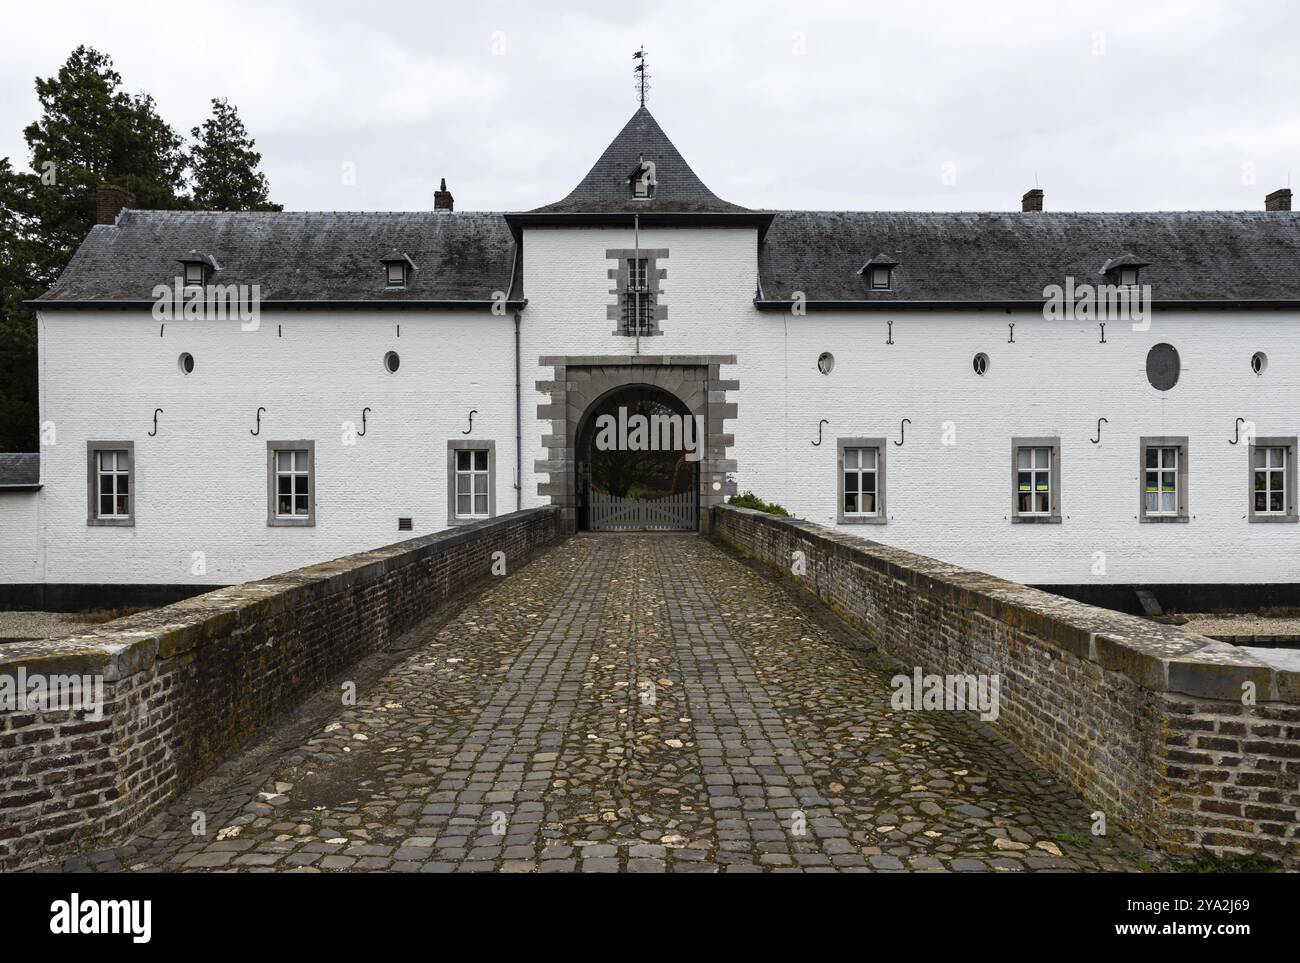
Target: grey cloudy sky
column 815, row 105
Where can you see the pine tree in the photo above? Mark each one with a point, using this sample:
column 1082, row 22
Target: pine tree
column 90, row 132
column 224, row 162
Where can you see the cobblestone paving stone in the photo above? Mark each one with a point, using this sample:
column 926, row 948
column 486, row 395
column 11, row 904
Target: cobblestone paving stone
column 638, row 703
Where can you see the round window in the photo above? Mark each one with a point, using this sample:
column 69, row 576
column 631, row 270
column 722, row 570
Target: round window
column 1163, row 366
column 980, row 363
column 185, row 362
column 1258, row 362
column 392, row 362
column 826, row 362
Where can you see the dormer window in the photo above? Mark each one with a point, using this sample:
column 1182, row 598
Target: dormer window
column 643, row 180
column 1123, row 271
column 879, row 272
column 397, row 270
column 197, row 269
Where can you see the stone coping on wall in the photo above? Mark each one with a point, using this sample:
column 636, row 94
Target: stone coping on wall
column 125, row 646
column 1157, row 657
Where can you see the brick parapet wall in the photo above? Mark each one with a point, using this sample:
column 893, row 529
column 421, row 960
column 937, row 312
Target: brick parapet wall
column 187, row 685
column 1146, row 721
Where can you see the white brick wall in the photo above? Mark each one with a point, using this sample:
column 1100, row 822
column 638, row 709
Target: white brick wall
column 201, row 481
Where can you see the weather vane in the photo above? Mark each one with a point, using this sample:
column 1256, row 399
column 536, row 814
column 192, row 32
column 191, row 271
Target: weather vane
column 642, row 76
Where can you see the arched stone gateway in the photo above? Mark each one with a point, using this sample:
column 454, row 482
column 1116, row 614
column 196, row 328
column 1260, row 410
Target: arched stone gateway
column 590, row 394
column 637, row 457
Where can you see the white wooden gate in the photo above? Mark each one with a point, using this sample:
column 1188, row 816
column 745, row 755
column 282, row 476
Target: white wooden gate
column 609, row 513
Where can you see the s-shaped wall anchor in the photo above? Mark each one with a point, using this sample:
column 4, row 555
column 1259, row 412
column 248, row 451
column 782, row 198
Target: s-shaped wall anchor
column 824, row 421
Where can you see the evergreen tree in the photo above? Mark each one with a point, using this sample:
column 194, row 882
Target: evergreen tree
column 90, row 132
column 224, row 162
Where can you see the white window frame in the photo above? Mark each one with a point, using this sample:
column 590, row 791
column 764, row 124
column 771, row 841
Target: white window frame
column 1178, row 468
column 95, row 472
column 1052, row 471
column 454, row 472
column 1271, row 472
column 1166, row 469
column 877, row 446
column 274, row 518
column 473, row 473
column 1288, row 472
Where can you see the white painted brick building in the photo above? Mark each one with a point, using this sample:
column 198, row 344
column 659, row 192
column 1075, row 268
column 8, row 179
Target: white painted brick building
column 746, row 304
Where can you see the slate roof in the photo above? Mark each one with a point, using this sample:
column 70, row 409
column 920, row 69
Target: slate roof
column 20, row 471
column 606, row 187
column 967, row 258
column 1211, row 255
column 315, row 257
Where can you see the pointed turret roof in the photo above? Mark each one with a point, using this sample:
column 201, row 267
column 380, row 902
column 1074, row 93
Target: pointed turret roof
column 607, row 186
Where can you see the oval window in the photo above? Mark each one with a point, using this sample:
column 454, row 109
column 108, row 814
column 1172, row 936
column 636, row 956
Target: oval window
column 980, row 363
column 1258, row 362
column 392, row 362
column 185, row 362
column 825, row 362
column 1163, row 366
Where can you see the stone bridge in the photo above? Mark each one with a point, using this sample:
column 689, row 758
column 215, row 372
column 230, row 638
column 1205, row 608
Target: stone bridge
column 645, row 703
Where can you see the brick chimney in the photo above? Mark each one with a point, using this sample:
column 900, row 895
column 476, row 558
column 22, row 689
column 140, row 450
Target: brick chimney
column 442, row 199
column 1032, row 201
column 109, row 202
column 1279, row 200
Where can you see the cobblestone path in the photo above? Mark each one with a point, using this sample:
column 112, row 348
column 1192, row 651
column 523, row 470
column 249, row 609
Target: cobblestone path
column 643, row 703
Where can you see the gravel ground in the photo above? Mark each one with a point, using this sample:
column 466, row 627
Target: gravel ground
column 38, row 625
column 1242, row 625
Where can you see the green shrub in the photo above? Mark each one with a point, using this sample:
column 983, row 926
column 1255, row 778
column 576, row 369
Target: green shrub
column 750, row 500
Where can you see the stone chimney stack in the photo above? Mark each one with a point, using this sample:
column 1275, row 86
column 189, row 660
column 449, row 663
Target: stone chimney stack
column 1032, row 201
column 109, row 202
column 442, row 199
column 1279, row 200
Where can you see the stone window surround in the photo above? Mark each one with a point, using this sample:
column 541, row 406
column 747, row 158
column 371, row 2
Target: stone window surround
column 619, row 275
column 1279, row 441
column 1046, row 441
column 298, row 521
column 93, row 448
column 580, row 381
column 1163, row 441
column 880, row 517
column 470, row 444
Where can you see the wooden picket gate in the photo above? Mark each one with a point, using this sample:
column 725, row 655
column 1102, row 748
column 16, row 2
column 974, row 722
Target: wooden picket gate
column 610, row 513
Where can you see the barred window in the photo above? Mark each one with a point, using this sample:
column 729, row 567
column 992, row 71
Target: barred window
column 638, row 301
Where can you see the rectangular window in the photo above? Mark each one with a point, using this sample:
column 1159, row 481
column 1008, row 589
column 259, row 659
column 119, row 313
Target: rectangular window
column 638, row 299
column 471, row 494
column 110, row 497
column 1270, row 480
column 1163, row 475
column 194, row 273
column 1036, row 480
column 1273, row 480
column 861, row 481
column 291, row 483
column 880, row 278
column 472, row 484
column 396, row 274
